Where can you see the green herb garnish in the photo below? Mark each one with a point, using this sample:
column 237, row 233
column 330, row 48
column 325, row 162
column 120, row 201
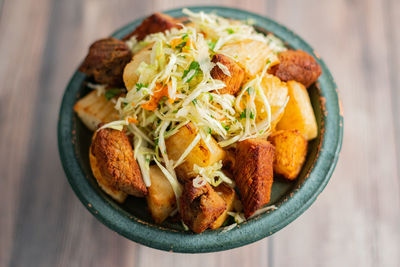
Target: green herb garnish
column 111, row 93
column 193, row 66
column 139, row 86
column 230, row 31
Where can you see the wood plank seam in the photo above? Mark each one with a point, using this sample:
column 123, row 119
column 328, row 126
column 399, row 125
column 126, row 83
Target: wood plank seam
column 390, row 28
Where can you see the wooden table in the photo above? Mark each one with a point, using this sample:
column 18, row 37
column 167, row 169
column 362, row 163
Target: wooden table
column 354, row 222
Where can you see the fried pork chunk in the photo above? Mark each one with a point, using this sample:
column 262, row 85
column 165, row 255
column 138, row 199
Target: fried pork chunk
column 155, row 23
column 229, row 196
column 233, row 81
column 106, row 61
column 114, row 155
column 254, row 173
column 200, row 207
column 298, row 66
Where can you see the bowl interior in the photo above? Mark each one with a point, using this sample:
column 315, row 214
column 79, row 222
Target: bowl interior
column 132, row 218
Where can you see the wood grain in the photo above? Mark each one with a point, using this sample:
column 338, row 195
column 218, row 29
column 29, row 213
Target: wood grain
column 354, row 221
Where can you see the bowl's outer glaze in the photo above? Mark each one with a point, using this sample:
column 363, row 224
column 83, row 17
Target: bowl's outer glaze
column 292, row 198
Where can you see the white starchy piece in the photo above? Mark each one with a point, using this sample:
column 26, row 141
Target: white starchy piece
column 299, row 113
column 251, row 55
column 94, row 109
column 160, row 198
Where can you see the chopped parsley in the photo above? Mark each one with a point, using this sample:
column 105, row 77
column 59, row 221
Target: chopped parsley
column 139, row 86
column 211, row 97
column 180, row 46
column 194, row 101
column 230, row 31
column 211, row 45
column 111, row 93
column 250, row 90
column 193, row 66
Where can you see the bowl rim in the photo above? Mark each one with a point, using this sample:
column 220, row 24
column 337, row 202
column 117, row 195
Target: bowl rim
column 216, row 240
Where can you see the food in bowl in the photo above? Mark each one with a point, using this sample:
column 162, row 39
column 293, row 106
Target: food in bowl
column 197, row 115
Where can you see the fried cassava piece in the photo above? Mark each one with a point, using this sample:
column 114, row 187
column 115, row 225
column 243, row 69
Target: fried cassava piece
column 290, row 152
column 106, row 61
column 200, row 206
column 299, row 113
column 297, row 66
column 199, row 155
column 254, row 173
column 94, row 109
column 160, row 199
column 115, row 160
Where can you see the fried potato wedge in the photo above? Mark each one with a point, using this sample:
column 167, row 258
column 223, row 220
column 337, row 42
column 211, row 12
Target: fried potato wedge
column 114, row 155
column 298, row 66
column 200, row 206
column 94, row 109
column 200, row 154
column 130, row 74
column 234, row 81
column 251, row 55
column 254, row 173
column 228, row 194
column 290, row 152
column 160, row 199
column 112, row 191
column 106, row 61
column 299, row 113
column 157, row 22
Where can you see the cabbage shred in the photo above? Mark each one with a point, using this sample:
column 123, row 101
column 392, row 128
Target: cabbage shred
column 176, row 87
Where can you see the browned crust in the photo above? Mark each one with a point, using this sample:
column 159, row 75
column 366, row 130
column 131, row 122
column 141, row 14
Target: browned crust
column 200, row 207
column 298, row 66
column 233, row 82
column 254, row 173
column 290, row 152
column 116, row 162
column 157, row 22
column 106, row 61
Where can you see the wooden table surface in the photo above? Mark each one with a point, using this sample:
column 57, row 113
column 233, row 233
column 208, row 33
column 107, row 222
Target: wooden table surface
column 354, row 222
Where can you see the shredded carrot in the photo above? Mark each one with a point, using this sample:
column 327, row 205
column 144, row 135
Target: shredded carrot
column 160, row 92
column 132, row 120
column 175, row 42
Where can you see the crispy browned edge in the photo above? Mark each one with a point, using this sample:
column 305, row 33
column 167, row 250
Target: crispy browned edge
column 232, row 82
column 116, row 162
column 200, row 206
column 254, row 173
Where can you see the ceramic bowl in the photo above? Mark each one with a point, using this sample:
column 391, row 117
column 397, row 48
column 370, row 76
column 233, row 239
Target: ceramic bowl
column 132, row 219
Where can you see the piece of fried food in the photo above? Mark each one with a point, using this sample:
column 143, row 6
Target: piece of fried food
column 106, row 61
column 290, row 152
column 299, row 113
column 157, row 22
column 276, row 92
column 228, row 194
column 297, row 66
column 112, row 191
column 94, row 109
column 200, row 206
column 114, row 155
column 200, row 155
column 254, row 173
column 251, row 55
column 160, row 199
column 130, row 74
column 234, row 81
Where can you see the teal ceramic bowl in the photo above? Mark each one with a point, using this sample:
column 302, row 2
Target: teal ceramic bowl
column 132, row 219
